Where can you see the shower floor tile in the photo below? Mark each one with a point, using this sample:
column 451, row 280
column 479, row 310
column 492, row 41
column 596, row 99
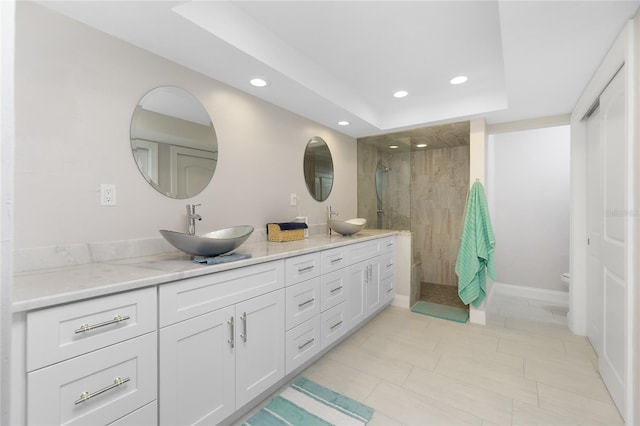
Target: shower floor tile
column 441, row 294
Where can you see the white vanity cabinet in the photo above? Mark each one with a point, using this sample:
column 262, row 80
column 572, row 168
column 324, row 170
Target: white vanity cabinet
column 223, row 344
column 195, row 350
column 92, row 362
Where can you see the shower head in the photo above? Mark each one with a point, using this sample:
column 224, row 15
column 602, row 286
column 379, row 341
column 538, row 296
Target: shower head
column 383, row 168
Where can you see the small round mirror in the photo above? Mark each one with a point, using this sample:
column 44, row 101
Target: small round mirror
column 318, row 168
column 173, row 142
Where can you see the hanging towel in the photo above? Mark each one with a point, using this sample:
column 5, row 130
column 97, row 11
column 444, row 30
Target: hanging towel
column 475, row 255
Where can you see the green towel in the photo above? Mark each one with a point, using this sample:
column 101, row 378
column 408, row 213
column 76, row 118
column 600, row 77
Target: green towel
column 476, row 249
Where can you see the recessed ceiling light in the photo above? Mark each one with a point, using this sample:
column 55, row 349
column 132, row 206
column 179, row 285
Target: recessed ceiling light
column 343, row 123
column 258, row 82
column 393, row 146
column 400, row 94
column 459, row 79
column 421, row 145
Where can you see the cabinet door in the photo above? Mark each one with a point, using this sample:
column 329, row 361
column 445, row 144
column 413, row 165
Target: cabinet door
column 372, row 279
column 197, row 369
column 259, row 345
column 356, row 290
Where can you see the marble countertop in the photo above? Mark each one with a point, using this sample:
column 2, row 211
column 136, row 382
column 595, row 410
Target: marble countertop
column 43, row 288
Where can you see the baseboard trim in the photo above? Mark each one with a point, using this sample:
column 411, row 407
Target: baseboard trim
column 401, row 301
column 555, row 296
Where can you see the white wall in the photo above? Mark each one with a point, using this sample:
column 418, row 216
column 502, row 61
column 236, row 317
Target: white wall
column 7, row 21
column 76, row 89
column 528, row 192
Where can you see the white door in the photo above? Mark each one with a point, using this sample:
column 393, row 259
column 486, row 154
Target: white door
column 595, row 222
column 197, row 370
column 259, row 345
column 610, row 248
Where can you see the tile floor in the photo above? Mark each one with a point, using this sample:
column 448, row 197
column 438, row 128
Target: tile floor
column 418, row 370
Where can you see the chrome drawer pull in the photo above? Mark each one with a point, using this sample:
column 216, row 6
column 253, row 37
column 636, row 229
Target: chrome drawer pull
column 389, row 244
column 305, row 269
column 390, row 289
column 233, row 332
column 307, row 343
column 333, row 290
column 243, row 317
column 306, row 302
column 389, row 265
column 336, row 260
column 86, row 327
column 335, row 325
column 85, row 396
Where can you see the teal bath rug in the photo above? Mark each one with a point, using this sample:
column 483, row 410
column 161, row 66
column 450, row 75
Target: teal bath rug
column 441, row 311
column 306, row 403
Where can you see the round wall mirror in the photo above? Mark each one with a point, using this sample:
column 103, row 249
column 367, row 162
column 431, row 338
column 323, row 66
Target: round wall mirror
column 173, row 142
column 318, row 168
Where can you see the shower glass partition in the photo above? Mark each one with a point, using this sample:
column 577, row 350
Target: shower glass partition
column 418, row 180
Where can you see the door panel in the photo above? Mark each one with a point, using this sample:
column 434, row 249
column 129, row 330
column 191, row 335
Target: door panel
column 607, row 173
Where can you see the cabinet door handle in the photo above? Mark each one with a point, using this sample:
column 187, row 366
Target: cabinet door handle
column 305, row 269
column 335, row 325
column 389, row 244
column 333, row 290
column 231, row 340
column 243, row 317
column 307, row 343
column 390, row 289
column 336, row 260
column 306, row 302
column 85, row 396
column 389, row 265
column 87, row 327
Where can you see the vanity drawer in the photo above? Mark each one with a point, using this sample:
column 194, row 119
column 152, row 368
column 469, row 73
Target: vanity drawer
column 387, row 265
column 387, row 289
column 302, row 268
column 365, row 250
column 388, row 244
column 334, row 259
column 333, row 324
column 302, row 343
column 333, row 288
column 145, row 416
column 84, row 390
column 191, row 297
column 302, row 301
column 62, row 332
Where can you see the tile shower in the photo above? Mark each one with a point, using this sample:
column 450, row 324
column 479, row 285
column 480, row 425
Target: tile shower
column 423, row 189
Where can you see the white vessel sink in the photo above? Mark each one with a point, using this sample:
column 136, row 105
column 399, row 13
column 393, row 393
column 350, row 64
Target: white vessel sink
column 209, row 244
column 348, row 227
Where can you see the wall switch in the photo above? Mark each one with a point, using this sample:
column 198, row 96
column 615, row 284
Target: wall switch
column 107, row 194
column 293, row 200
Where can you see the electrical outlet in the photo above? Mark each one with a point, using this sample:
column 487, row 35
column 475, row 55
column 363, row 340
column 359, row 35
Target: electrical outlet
column 293, row 200
column 107, row 194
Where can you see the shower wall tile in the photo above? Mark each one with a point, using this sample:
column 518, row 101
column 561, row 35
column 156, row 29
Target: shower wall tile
column 439, row 186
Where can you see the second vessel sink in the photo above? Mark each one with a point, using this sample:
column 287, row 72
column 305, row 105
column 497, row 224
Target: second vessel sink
column 348, row 227
column 211, row 244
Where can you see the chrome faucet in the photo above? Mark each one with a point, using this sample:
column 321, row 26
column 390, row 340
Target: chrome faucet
column 192, row 216
column 330, row 213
